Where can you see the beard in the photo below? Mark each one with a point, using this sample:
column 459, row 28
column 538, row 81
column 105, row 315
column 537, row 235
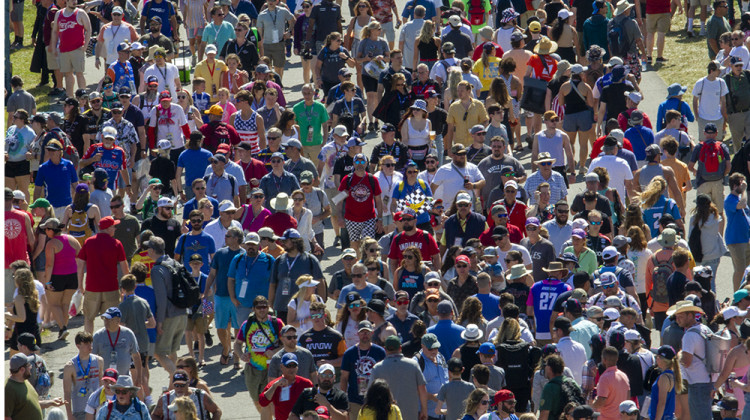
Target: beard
column 561, row 220
column 408, row 228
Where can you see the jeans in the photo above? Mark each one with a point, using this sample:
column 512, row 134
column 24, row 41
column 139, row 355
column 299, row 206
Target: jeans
column 714, row 264
column 699, row 396
column 746, row 410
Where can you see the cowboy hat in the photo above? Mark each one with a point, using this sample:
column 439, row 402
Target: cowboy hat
column 555, row 266
column 546, row 46
column 124, row 382
column 545, row 157
column 156, row 49
column 622, row 7
column 518, row 271
column 684, row 306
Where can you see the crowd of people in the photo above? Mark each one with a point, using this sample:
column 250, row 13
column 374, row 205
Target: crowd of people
column 189, row 192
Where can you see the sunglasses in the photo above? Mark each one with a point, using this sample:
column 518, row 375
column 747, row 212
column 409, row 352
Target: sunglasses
column 553, row 120
column 508, row 261
column 180, row 385
column 402, row 302
column 407, row 219
column 290, row 337
column 122, row 392
column 531, row 228
column 389, row 165
column 291, row 366
column 317, row 316
column 326, row 375
column 462, row 205
column 545, row 163
column 432, row 301
column 595, row 223
column 299, row 199
column 257, row 195
column 439, row 208
column 412, row 172
column 195, row 221
column 500, row 216
column 408, row 257
column 200, row 188
column 430, row 162
column 561, row 211
column 115, row 206
column 485, row 402
column 609, row 286
column 95, row 101
column 116, row 111
column 355, row 305
column 273, row 138
column 372, row 268
column 358, row 275
column 181, row 97
column 360, row 162
column 509, row 174
column 462, row 266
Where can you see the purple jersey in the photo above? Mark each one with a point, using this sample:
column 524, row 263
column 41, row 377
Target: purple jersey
column 542, row 296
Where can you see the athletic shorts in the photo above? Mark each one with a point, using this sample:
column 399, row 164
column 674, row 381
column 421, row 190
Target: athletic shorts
column 360, row 230
column 389, row 31
column 370, row 83
column 225, row 311
column 193, row 33
column 14, row 169
column 72, row 61
column 580, row 121
column 658, row 22
column 62, row 282
column 16, row 12
column 276, row 52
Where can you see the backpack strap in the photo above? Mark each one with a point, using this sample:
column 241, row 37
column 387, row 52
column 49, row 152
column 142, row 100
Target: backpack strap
column 200, row 402
column 110, row 406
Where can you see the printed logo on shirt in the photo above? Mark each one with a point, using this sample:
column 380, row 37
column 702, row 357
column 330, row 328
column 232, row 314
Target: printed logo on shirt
column 13, row 228
column 360, row 193
column 364, row 366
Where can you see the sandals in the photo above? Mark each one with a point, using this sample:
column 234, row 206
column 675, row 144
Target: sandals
column 237, row 365
column 224, row 360
column 201, row 364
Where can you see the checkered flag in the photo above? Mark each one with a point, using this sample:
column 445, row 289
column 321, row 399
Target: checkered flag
column 418, row 202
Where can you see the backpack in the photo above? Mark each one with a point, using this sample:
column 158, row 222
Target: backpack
column 516, row 360
column 571, row 392
column 694, row 243
column 650, row 377
column 662, row 271
column 43, row 382
column 79, row 225
column 740, row 159
column 619, row 44
column 229, row 176
column 712, row 158
column 476, row 13
column 186, row 292
column 717, row 345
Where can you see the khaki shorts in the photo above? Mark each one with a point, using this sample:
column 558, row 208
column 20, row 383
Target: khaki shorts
column 740, row 256
column 96, row 303
column 173, row 329
column 276, row 52
column 53, row 62
column 312, row 152
column 72, row 61
column 715, row 190
column 196, row 325
column 255, row 381
column 696, row 3
column 658, row 22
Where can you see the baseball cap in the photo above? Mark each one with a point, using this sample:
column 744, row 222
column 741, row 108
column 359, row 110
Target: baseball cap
column 628, row 407
column 113, row 312
column 214, row 110
column 326, row 367
column 365, row 325
column 666, row 352
column 164, row 144
column 288, row 327
column 652, row 152
column 252, row 238
column 110, row 375
column 211, row 49
column 340, row 130
column 164, row 202
column 609, row 253
column 388, row 128
column 444, row 307
column 487, row 349
column 289, row 358
column 572, row 306
column 620, row 241
column 18, row 361
column 430, row 341
column 478, row 128
column 579, row 233
column 180, row 377
column 562, row 323
column 591, row 177
column 28, row 340
column 584, row 412
column 611, row 314
column 632, row 335
column 354, row 141
column 107, row 222
column 392, row 343
column 82, row 187
column 710, row 128
column 377, row 306
column 349, row 252
column 504, row 395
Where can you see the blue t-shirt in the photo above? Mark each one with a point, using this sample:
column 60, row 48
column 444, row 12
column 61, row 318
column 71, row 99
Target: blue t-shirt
column 244, row 6
column 640, row 137
column 412, row 4
column 194, row 163
column 164, row 10
column 738, row 221
column 449, row 336
column 251, row 274
column 662, row 206
column 365, row 293
column 201, row 244
column 56, row 180
column 399, row 193
column 359, row 363
column 490, row 303
column 192, row 204
column 201, row 101
column 146, row 292
column 202, row 281
column 543, row 295
column 221, row 263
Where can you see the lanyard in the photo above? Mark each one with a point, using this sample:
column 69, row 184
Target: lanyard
column 274, row 17
column 289, row 266
column 85, row 373
column 249, row 267
column 109, row 337
column 457, row 170
column 114, row 32
column 124, row 68
column 277, row 183
column 390, row 183
column 349, row 108
column 211, row 70
column 164, row 73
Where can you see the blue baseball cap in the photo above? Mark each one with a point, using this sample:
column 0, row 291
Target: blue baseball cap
column 487, row 349
column 288, row 359
column 113, row 312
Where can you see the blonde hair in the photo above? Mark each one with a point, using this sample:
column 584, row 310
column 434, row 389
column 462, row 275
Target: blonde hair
column 186, row 407
column 369, row 28
column 428, row 32
column 25, row 283
column 302, row 279
column 454, row 78
column 510, row 330
column 653, row 191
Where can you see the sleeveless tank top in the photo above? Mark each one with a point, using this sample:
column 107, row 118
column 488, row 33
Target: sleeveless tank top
column 648, row 172
column 87, row 380
column 573, row 101
column 358, row 28
column 169, row 397
column 29, row 325
column 513, row 93
column 669, row 405
column 80, row 226
column 65, row 260
column 247, row 130
column 15, row 237
column 285, row 138
column 553, row 145
column 418, row 138
column 428, row 51
column 70, row 32
column 470, row 358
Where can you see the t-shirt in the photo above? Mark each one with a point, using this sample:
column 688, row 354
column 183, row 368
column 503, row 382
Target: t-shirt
column 542, row 296
column 331, row 63
column 738, row 221
column 273, row 24
column 694, row 343
column 538, row 68
column 164, row 10
column 18, row 142
column 355, row 108
column 652, row 214
column 716, row 26
column 313, row 116
column 327, row 14
column 490, row 305
column 169, row 230
column 192, row 204
column 102, row 253
column 251, row 276
column 20, row 99
column 285, row 269
column 220, row 35
column 360, row 204
column 365, row 293
column 615, row 387
column 491, row 168
column 221, row 262
column 115, row 348
column 709, row 94
column 21, row 401
column 56, row 180
column 112, row 161
column 259, row 337
column 420, row 239
column 194, row 163
column 359, row 364
column 454, row 393
column 326, row 344
column 614, row 97
column 202, row 244
column 135, row 312
column 370, row 48
column 450, row 180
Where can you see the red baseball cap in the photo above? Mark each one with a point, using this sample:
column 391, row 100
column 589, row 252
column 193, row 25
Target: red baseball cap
column 322, row 412
column 110, row 375
column 463, row 258
column 107, row 222
column 504, row 395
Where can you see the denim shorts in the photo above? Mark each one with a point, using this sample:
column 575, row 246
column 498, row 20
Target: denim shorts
column 580, row 121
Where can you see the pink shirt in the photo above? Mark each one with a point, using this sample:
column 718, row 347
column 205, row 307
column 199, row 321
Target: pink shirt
column 615, row 386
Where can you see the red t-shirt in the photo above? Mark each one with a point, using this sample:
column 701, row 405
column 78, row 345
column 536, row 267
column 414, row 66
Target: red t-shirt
column 596, row 148
column 102, row 253
column 360, row 205
column 622, row 119
column 421, row 239
column 513, row 232
column 517, row 217
column 539, row 70
column 478, row 51
column 283, row 408
column 253, row 169
column 658, row 6
column 280, row 222
column 16, row 241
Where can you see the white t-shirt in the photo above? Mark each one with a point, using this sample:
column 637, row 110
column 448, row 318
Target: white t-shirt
column 450, row 180
column 113, row 36
column 166, row 76
column 618, row 169
column 743, row 53
column 640, row 260
column 303, row 312
column 710, row 93
column 502, row 38
column 440, row 71
column 693, row 343
column 513, row 247
column 169, row 125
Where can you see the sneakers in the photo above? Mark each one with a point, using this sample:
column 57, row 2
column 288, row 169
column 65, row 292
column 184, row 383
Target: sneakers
column 56, row 92
column 209, row 339
column 661, row 60
column 62, row 334
column 16, row 45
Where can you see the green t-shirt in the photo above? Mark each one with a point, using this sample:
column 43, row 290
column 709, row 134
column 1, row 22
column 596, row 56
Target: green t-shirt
column 552, row 397
column 21, row 401
column 487, row 8
column 310, row 116
column 586, row 261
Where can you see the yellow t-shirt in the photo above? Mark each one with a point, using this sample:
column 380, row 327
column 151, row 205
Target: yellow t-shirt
column 487, row 74
column 368, row 414
column 212, row 75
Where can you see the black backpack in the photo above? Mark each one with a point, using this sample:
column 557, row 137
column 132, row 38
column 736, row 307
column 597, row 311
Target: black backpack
column 517, row 360
column 740, row 159
column 619, row 44
column 571, row 392
column 186, row 292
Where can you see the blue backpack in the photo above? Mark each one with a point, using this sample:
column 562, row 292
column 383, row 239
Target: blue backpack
column 619, row 44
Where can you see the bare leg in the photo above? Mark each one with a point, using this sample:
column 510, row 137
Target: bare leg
column 224, row 339
column 660, row 44
column 372, row 103
column 54, row 300
column 22, row 183
column 67, row 295
column 81, row 80
column 10, row 183
column 279, row 71
column 70, row 84
column 166, row 362
column 59, row 79
column 650, row 45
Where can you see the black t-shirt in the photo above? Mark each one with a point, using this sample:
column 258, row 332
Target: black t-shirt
column 614, row 98
column 557, row 307
column 343, row 166
column 75, row 130
column 94, row 123
column 397, row 150
column 164, row 169
column 676, row 287
column 247, row 52
column 598, row 243
column 327, row 344
column 605, row 229
column 520, row 293
column 438, row 118
column 327, row 16
column 630, row 364
column 169, row 230
column 602, row 204
column 387, row 77
column 306, row 400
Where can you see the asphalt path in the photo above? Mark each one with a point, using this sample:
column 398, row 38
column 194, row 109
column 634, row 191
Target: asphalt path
column 227, row 384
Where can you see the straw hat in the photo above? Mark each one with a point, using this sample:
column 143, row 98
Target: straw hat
column 546, row 46
column 684, row 306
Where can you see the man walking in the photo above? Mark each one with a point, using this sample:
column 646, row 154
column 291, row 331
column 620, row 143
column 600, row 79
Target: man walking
column 710, row 100
column 71, row 31
column 357, row 365
column 737, row 234
column 738, row 103
column 405, row 379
